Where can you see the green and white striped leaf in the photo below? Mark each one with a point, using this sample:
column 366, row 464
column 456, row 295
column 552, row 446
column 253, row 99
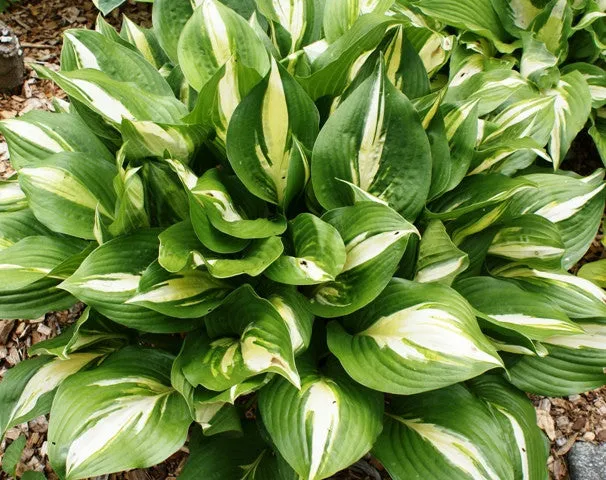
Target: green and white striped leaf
column 15, row 226
column 65, row 190
column 187, row 294
column 413, row 338
column 529, row 449
column 169, row 18
column 132, row 417
column 145, row 41
column 232, row 210
column 575, row 366
column 579, row 298
column 87, row 49
column 37, row 135
column 213, row 35
column 114, row 100
column 375, row 239
column 269, row 135
column 434, row 48
column 376, row 141
column 538, row 64
column 340, row 15
column 501, row 158
column 318, row 253
column 246, row 337
column 111, row 275
column 447, row 433
column 553, row 26
column 530, row 239
column 439, row 259
column 595, row 77
column 313, row 427
column 12, row 197
column 574, row 204
column 32, row 259
column 107, row 6
column 27, row 389
column 516, row 16
column 129, row 214
column 595, row 272
column 529, row 313
column 166, row 199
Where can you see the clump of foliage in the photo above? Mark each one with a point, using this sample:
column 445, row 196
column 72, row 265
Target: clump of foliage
column 354, row 214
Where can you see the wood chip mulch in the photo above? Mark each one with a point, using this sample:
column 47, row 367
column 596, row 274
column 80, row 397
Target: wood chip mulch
column 39, row 24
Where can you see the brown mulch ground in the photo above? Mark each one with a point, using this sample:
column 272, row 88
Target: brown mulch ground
column 39, row 24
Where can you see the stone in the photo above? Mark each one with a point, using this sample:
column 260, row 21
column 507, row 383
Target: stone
column 587, row 461
column 12, row 69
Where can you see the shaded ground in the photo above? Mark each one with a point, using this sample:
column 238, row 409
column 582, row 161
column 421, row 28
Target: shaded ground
column 39, row 24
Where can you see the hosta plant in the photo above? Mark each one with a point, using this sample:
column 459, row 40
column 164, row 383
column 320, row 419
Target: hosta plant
column 312, row 230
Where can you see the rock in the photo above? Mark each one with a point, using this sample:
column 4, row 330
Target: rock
column 12, row 69
column 589, row 436
column 587, row 461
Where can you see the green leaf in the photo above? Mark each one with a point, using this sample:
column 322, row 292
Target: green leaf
column 169, row 18
column 27, row 389
column 12, row 197
column 413, row 338
column 439, row 259
column 318, row 253
column 532, row 314
column 375, row 239
column 145, row 42
column 246, row 337
column 129, row 214
column 553, row 26
column 374, row 140
column 313, row 427
column 595, row 272
column 132, row 417
column 340, row 15
column 36, row 135
column 17, row 225
column 213, row 35
column 107, row 6
column 187, row 294
column 268, row 136
column 12, row 456
column 35, row 300
column 447, row 433
column 516, row 16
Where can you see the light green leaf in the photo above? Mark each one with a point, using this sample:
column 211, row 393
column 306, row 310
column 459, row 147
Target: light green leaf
column 27, row 389
column 538, row 64
column 107, row 6
column 553, row 26
column 365, row 142
column 413, row 338
column 340, row 15
column 318, row 253
column 595, row 272
column 529, row 313
column 34, row 300
column 446, row 433
column 313, row 427
column 12, row 197
column 169, row 18
column 129, row 214
column 132, row 417
column 516, row 16
column 65, row 189
column 375, row 239
column 145, row 41
column 15, row 226
column 439, row 259
column 12, row 456
column 269, row 135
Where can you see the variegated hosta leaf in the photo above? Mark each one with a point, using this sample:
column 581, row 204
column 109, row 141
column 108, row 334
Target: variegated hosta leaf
column 439, row 259
column 107, row 6
column 340, row 15
column 246, row 337
column 227, row 458
column 33, row 259
column 528, row 313
column 232, row 210
column 130, row 214
column 575, row 364
column 89, row 49
column 213, row 35
column 318, row 253
column 598, row 132
column 516, row 16
column 529, row 239
column 572, row 108
column 475, row 193
column 65, row 190
column 553, row 26
column 494, row 158
column 145, row 41
column 149, row 139
column 528, row 447
column 132, row 417
column 413, row 338
column 12, row 197
column 434, row 48
column 595, row 77
column 471, row 15
column 166, row 199
column 594, row 271
column 313, row 427
column 27, row 389
column 447, row 433
column 579, row 298
column 36, row 135
column 574, row 204
column 375, row 238
column 114, row 100
column 17, row 225
column 169, row 18
column 110, row 276
column 90, row 329
column 186, row 294
column 538, row 64
column 269, row 135
column 376, row 141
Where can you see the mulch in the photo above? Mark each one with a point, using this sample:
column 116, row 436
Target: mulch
column 39, row 24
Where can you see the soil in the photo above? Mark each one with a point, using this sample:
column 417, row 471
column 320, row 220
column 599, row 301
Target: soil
column 39, row 24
